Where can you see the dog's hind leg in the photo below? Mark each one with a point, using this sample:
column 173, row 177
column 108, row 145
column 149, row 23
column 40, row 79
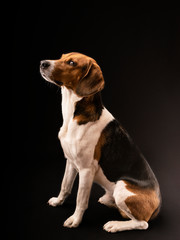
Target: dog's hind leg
column 107, row 199
column 137, row 203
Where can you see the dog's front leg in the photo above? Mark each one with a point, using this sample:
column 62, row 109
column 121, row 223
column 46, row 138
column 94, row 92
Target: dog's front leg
column 66, row 186
column 86, row 177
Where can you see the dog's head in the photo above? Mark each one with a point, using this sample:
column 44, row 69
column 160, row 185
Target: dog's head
column 75, row 71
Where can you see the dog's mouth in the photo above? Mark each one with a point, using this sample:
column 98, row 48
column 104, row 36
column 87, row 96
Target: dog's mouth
column 44, row 75
column 58, row 83
column 47, row 78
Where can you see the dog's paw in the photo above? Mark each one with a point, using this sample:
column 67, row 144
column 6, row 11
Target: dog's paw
column 54, row 201
column 107, row 200
column 118, row 226
column 112, row 226
column 72, row 222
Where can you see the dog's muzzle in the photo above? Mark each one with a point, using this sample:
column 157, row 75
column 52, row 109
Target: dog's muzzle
column 45, row 70
column 44, row 64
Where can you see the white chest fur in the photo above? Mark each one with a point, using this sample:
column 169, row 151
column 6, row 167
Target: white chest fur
column 79, row 141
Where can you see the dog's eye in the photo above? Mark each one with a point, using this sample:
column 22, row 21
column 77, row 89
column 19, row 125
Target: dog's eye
column 72, row 63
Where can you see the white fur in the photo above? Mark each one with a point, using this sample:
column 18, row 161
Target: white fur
column 120, row 195
column 68, row 106
column 78, row 143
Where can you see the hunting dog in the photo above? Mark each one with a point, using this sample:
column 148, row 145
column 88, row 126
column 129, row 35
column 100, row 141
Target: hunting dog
column 98, row 148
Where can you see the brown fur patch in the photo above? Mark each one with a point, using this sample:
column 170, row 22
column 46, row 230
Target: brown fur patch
column 84, row 76
column 123, row 214
column 144, row 204
column 100, row 143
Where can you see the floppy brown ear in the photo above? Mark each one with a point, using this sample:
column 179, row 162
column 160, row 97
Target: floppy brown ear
column 92, row 82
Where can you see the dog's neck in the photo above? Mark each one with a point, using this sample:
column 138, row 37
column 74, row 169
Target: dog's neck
column 69, row 99
column 81, row 109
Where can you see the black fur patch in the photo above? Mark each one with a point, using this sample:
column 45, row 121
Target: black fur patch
column 122, row 160
column 88, row 109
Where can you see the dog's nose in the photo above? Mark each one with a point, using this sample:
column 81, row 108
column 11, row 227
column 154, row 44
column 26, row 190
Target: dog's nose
column 45, row 64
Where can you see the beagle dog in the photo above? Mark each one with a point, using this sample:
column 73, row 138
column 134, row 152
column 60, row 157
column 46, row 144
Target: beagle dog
column 98, row 148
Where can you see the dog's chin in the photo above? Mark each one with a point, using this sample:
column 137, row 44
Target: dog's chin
column 58, row 83
column 44, row 75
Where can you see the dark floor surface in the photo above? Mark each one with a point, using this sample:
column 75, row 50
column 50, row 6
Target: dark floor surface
column 31, row 218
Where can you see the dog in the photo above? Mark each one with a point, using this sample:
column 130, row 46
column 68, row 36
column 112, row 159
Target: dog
column 98, row 148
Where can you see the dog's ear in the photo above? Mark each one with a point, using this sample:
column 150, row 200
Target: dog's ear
column 92, row 82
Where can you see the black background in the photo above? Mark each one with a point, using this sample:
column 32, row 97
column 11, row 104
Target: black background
column 138, row 49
